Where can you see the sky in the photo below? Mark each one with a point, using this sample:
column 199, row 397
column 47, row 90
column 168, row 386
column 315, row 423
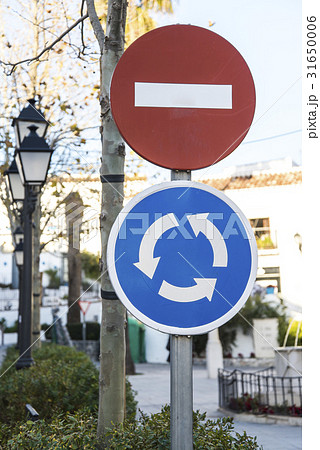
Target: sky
column 267, row 33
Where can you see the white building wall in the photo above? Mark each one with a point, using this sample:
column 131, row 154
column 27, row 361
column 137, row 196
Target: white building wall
column 50, row 261
column 6, row 268
column 283, row 206
column 156, row 344
column 244, row 344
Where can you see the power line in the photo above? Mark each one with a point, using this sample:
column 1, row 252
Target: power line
column 273, row 137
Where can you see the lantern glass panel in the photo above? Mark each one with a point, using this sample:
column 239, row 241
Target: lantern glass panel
column 19, row 258
column 21, row 129
column 19, row 166
column 35, row 166
column 18, row 235
column 16, row 187
column 18, row 253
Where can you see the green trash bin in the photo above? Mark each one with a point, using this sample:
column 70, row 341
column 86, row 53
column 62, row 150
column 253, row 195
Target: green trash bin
column 137, row 340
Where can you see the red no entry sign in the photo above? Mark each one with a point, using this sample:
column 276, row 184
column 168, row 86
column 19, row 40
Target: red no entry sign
column 182, row 97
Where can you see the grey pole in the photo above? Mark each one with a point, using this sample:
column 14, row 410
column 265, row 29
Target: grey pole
column 20, row 269
column 25, row 358
column 181, row 382
column 84, row 329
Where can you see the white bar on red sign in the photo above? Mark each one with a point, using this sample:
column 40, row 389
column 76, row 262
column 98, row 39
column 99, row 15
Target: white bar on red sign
column 174, row 95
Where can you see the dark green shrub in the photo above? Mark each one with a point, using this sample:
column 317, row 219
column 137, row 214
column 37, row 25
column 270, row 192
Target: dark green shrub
column 47, row 330
column 54, row 279
column 12, row 329
column 90, row 265
column 131, row 402
column 148, row 433
column 62, row 380
column 76, row 431
column 92, row 331
column 199, row 344
column 153, row 432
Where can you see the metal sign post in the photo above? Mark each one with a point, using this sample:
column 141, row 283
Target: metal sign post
column 181, row 378
column 181, row 393
column 84, row 328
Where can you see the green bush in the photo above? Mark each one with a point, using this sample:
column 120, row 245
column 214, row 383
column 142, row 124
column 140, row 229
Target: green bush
column 153, row 432
column 61, row 380
column 90, row 265
column 199, row 344
column 149, row 432
column 76, row 431
column 12, row 329
column 54, row 279
column 48, row 330
column 92, row 331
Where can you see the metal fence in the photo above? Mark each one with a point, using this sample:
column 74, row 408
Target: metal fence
column 260, row 392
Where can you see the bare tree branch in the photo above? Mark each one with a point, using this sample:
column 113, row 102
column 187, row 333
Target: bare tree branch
column 42, row 27
column 82, row 38
column 95, row 23
column 46, row 49
column 44, row 244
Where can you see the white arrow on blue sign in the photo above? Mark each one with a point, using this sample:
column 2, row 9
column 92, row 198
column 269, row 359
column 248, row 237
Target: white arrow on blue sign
column 182, row 257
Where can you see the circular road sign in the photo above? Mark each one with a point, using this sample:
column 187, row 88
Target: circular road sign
column 182, row 97
column 182, row 258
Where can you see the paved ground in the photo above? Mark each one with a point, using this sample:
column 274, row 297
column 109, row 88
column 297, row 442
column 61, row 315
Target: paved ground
column 153, row 387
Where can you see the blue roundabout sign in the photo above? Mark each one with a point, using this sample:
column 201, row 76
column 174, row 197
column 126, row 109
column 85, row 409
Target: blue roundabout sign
column 182, row 257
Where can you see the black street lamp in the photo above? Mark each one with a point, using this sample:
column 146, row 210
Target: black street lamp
column 16, row 190
column 18, row 253
column 33, row 160
column 18, row 235
column 30, row 115
column 14, row 182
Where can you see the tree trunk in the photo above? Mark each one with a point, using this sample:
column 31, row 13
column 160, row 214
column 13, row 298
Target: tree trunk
column 74, row 215
column 112, row 345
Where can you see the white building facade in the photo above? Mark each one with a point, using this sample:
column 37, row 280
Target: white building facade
column 272, row 202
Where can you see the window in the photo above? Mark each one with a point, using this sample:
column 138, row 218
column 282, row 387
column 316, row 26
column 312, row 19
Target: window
column 262, row 232
column 269, row 277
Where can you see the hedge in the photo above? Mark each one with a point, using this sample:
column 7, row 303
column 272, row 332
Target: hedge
column 78, row 430
column 61, row 380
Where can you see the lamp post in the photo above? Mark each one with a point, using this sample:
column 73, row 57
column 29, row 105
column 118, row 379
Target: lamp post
column 14, row 183
column 33, row 159
column 18, row 235
column 16, row 190
column 29, row 116
column 18, row 253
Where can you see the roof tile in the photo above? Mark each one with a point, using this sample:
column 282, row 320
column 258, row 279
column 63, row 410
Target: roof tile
column 256, row 180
